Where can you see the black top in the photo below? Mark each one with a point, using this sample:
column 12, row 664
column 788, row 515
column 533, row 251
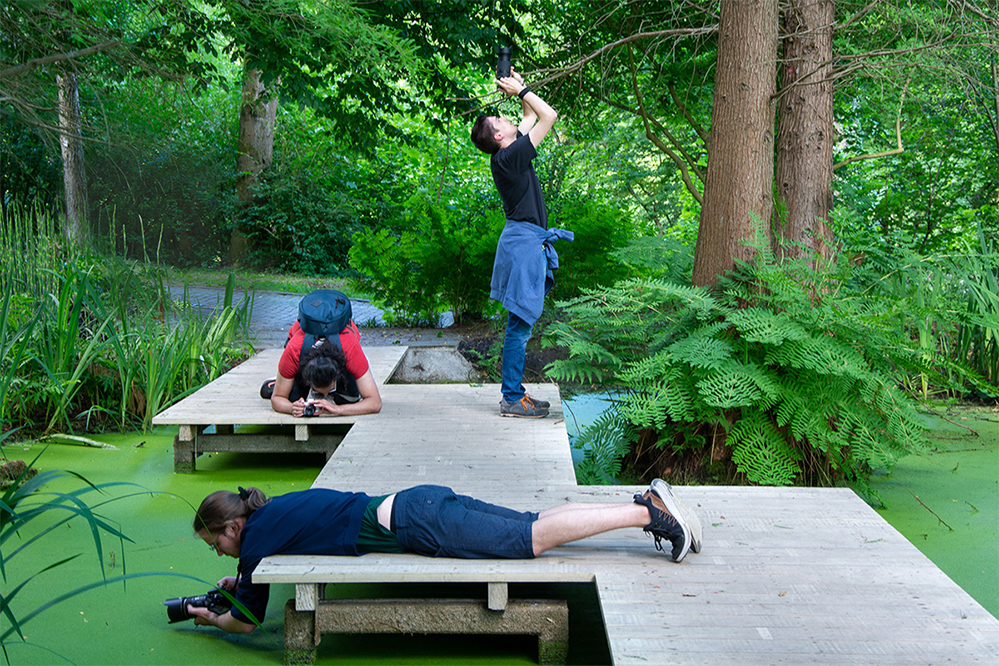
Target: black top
column 518, row 184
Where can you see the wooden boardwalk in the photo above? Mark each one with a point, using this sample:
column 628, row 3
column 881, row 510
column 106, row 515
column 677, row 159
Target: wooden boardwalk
column 786, row 575
column 216, row 405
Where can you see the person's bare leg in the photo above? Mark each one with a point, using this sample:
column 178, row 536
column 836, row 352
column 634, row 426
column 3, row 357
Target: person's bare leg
column 571, row 522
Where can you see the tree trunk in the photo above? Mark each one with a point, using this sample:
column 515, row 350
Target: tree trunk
column 257, row 114
column 74, row 178
column 804, row 156
column 738, row 187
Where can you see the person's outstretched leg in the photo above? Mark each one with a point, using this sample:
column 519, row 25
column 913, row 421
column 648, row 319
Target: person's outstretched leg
column 571, row 522
column 655, row 510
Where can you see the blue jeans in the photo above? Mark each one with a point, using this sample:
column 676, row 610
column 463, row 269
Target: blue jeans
column 433, row 521
column 518, row 332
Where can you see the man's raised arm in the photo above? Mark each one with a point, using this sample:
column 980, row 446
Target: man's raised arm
column 546, row 115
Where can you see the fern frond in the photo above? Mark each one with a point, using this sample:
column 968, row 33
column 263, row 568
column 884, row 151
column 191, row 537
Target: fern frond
column 604, row 444
column 761, row 452
column 766, row 326
column 736, row 385
column 824, row 356
column 656, row 402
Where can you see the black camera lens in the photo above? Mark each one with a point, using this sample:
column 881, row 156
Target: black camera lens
column 503, row 64
column 215, row 601
column 177, row 608
column 310, row 410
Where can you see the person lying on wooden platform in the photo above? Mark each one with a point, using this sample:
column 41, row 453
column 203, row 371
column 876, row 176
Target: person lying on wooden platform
column 328, row 380
column 322, row 369
column 426, row 520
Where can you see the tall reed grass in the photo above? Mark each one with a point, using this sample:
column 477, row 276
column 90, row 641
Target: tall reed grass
column 97, row 341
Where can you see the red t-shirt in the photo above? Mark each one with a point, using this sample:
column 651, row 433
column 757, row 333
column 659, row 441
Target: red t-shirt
column 350, row 340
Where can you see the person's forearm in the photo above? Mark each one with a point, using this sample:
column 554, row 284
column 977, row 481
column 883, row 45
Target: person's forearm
column 539, row 108
column 369, row 405
column 281, row 404
column 528, row 117
column 230, row 624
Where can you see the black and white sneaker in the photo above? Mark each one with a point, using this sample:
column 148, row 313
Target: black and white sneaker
column 693, row 522
column 667, row 522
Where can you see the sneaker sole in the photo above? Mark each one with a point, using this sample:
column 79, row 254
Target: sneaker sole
column 665, row 493
column 524, row 416
column 694, row 523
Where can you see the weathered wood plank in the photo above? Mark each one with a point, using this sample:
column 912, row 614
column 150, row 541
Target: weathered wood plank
column 778, row 584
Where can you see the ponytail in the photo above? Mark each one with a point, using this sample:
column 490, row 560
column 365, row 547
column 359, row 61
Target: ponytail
column 223, row 506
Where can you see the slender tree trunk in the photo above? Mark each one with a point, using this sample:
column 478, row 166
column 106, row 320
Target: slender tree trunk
column 74, row 178
column 738, row 187
column 257, row 115
column 805, row 133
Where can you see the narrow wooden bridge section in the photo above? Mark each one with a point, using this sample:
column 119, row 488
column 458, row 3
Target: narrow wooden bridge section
column 786, row 575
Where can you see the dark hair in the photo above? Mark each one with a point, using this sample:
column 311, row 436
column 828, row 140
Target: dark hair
column 323, row 365
column 223, row 506
column 482, row 135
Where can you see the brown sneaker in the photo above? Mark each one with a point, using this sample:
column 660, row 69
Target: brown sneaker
column 523, row 408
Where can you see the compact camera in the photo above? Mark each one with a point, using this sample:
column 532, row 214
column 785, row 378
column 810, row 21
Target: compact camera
column 215, row 601
column 310, row 410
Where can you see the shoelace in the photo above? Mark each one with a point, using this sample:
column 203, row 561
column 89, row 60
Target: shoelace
column 657, row 519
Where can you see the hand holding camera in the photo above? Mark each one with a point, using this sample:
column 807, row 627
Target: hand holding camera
column 215, row 601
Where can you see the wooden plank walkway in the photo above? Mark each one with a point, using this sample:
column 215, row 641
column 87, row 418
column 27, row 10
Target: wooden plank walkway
column 215, row 405
column 786, row 575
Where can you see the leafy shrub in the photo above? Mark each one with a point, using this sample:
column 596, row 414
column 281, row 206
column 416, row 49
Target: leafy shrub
column 604, row 443
column 792, row 376
column 442, row 259
column 300, row 223
column 600, row 230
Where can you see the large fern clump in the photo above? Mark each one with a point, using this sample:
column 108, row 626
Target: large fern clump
column 775, row 367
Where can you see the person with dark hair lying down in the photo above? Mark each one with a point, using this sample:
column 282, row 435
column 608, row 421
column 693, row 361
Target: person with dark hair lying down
column 426, row 520
column 335, row 381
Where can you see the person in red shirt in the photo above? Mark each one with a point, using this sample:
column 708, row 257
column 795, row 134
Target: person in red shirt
column 322, row 378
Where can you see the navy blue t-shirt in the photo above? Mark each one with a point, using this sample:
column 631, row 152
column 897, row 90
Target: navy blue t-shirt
column 519, row 188
column 318, row 521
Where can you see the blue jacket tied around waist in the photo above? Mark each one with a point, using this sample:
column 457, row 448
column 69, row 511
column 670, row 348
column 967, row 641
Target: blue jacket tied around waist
column 522, row 271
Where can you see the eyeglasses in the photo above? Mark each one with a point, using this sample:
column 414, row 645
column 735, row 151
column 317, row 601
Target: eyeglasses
column 214, row 546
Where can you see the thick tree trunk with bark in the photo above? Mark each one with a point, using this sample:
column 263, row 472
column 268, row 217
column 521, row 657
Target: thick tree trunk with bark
column 739, row 183
column 804, row 164
column 257, row 114
column 74, row 178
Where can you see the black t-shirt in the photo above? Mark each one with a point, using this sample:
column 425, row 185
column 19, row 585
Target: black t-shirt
column 518, row 184
column 318, row 521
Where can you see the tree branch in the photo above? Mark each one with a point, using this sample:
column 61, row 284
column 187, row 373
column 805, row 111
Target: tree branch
column 898, row 137
column 684, row 173
column 58, row 57
column 561, row 72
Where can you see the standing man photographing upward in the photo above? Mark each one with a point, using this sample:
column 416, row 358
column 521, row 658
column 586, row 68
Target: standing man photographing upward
column 522, row 270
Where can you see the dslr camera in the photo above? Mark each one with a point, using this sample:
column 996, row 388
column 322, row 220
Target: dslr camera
column 215, row 601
